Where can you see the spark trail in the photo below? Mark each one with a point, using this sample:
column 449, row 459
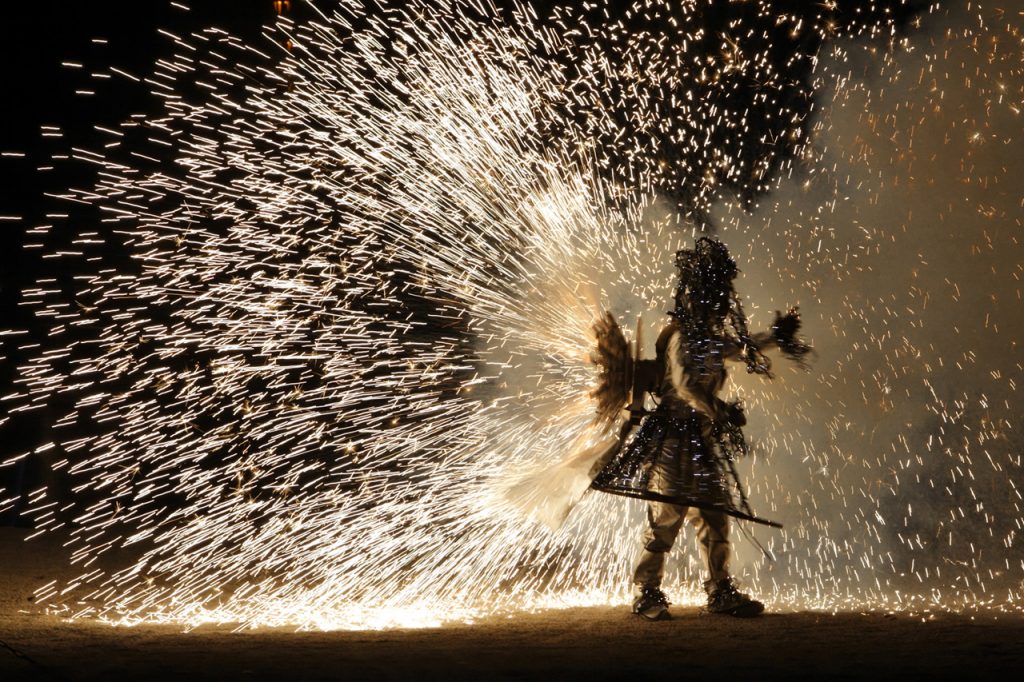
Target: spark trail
column 361, row 301
column 357, row 306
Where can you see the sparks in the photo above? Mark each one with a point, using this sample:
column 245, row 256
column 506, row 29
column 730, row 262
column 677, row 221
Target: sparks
column 358, row 304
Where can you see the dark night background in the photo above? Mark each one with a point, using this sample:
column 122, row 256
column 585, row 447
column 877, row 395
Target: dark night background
column 38, row 91
column 38, row 37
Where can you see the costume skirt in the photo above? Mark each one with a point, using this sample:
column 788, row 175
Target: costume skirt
column 680, row 459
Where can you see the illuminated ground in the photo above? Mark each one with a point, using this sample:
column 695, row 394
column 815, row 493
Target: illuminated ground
column 595, row 643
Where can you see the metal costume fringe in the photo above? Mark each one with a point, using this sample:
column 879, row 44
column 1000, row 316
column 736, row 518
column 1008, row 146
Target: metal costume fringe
column 681, row 460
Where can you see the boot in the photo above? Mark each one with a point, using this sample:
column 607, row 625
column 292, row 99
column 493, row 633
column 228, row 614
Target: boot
column 651, row 604
column 723, row 597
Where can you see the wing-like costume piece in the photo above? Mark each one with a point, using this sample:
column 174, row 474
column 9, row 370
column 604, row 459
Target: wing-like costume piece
column 549, row 493
column 615, row 370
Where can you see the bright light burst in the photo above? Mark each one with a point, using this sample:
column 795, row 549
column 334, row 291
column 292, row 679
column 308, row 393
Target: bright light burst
column 358, row 307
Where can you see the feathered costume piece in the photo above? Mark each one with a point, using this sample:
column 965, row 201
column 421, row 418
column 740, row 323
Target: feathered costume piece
column 548, row 494
column 615, row 370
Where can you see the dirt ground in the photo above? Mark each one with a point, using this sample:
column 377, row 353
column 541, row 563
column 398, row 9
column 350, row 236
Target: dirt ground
column 594, row 644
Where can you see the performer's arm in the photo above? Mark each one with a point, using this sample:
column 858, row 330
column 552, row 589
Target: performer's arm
column 762, row 340
column 782, row 335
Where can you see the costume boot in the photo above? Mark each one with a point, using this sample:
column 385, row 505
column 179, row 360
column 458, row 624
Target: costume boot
column 723, row 597
column 651, row 604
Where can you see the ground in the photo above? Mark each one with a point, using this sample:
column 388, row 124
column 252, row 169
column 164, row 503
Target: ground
column 594, row 644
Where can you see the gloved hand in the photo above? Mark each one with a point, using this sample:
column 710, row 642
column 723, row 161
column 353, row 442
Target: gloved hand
column 732, row 413
column 785, row 327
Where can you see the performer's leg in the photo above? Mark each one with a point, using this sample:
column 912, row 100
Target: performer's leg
column 713, row 537
column 663, row 523
column 723, row 595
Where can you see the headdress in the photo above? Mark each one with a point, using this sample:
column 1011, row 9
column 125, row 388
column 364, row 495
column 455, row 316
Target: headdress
column 708, row 309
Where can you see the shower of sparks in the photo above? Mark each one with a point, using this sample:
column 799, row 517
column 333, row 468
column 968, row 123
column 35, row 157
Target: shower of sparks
column 357, row 308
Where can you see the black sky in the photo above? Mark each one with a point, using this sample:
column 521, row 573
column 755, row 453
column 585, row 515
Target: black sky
column 40, row 91
column 38, row 38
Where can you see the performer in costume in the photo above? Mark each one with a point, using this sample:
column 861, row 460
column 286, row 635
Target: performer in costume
column 681, row 458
